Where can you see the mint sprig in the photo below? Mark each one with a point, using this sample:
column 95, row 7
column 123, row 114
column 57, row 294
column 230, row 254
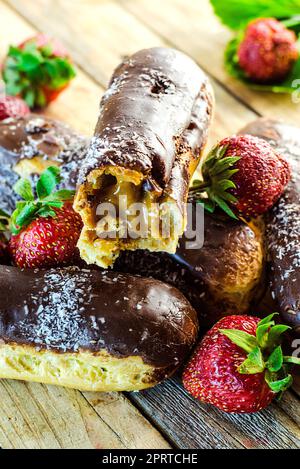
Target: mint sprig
column 264, row 353
column 48, row 198
column 217, row 172
column 29, row 70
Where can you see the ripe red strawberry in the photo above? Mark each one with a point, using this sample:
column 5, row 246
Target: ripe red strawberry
column 268, row 51
column 38, row 70
column 45, row 230
column 245, row 172
column 11, row 106
column 47, row 242
column 238, row 366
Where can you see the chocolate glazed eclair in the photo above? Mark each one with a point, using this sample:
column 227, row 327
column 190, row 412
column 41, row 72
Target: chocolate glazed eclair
column 30, row 144
column 149, row 137
column 221, row 277
column 283, row 222
column 91, row 330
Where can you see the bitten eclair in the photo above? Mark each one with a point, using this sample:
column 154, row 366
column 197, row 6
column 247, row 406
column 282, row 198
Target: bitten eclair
column 151, row 131
column 30, row 144
column 283, row 222
column 91, row 330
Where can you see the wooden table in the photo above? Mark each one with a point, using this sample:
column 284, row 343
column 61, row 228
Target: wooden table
column 99, row 33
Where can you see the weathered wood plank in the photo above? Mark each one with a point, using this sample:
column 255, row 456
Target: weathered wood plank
column 195, row 425
column 36, row 416
column 192, row 27
column 131, row 427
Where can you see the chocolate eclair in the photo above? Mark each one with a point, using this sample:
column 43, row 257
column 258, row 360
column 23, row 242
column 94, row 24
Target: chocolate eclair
column 283, row 222
column 148, row 140
column 222, row 277
column 91, row 330
column 30, row 144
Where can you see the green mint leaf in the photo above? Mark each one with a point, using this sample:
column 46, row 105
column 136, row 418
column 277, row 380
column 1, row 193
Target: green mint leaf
column 236, row 13
column 292, row 360
column 48, row 181
column 275, row 360
column 254, row 363
column 240, row 338
column 278, row 385
column 23, row 189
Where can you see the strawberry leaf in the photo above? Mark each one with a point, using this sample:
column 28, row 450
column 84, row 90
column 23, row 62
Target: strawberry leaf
column 278, row 385
column 275, row 360
column 267, row 319
column 240, row 338
column 25, row 215
column 63, row 194
column 29, row 209
column 292, row 360
column 253, row 364
column 48, row 181
column 262, row 334
column 209, row 205
column 46, row 212
column 23, row 189
column 275, row 334
column 223, row 205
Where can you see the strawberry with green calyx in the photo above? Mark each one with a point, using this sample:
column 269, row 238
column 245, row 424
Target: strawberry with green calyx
column 37, row 70
column 267, row 51
column 45, row 230
column 239, row 366
column 243, row 175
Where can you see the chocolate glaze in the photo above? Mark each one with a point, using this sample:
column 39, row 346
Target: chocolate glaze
column 283, row 221
column 68, row 310
column 34, row 135
column 198, row 273
column 157, row 107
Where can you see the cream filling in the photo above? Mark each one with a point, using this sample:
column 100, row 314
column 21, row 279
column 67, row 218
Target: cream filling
column 84, row 370
column 156, row 226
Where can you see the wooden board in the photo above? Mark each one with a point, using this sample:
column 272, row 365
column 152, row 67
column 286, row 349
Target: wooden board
column 99, row 33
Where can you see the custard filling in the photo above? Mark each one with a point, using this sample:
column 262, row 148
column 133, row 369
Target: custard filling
column 123, row 211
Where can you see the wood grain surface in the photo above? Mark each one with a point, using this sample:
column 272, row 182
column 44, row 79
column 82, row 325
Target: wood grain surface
column 99, row 33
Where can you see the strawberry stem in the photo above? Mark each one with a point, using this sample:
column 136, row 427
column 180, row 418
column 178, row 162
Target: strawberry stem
column 48, row 198
column 264, row 352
